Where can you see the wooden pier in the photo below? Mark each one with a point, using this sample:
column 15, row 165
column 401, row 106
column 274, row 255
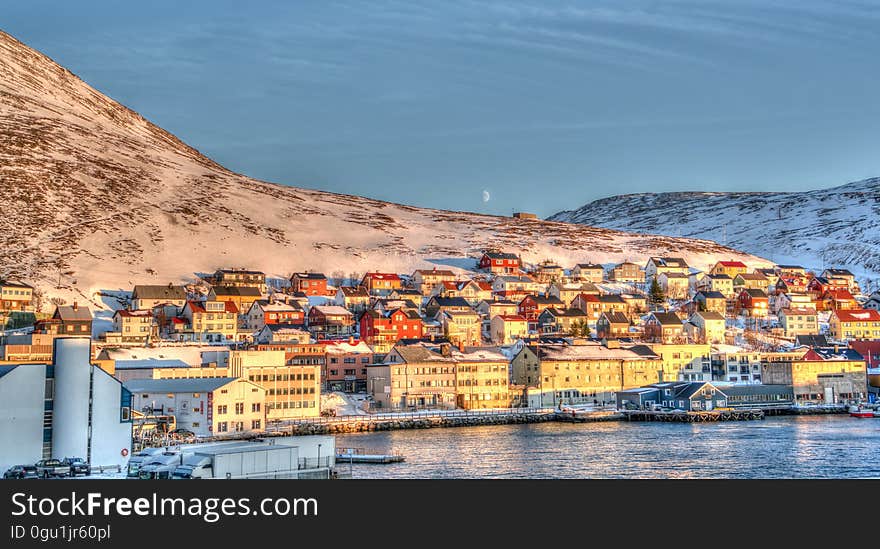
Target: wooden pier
column 361, row 455
column 694, row 417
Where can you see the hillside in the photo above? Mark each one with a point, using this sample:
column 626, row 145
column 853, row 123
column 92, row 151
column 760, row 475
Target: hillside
column 829, row 227
column 95, row 197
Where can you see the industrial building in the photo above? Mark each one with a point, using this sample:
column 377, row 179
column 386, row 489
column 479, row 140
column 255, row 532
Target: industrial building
column 68, row 407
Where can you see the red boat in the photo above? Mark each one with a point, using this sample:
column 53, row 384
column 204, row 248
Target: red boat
column 862, row 413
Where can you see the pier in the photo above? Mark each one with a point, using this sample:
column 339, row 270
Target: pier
column 363, row 455
column 694, row 417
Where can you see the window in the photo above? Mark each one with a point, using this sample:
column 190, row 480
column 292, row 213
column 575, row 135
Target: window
column 222, row 427
column 221, row 409
column 255, row 424
column 255, row 407
column 239, row 408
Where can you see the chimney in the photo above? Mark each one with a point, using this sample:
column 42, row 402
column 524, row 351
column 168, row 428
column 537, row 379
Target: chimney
column 75, row 305
column 461, row 346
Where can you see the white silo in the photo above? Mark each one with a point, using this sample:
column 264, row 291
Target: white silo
column 71, row 421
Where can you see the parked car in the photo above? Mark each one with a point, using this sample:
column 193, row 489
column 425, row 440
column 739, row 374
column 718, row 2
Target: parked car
column 21, row 471
column 78, row 466
column 182, row 434
column 51, row 468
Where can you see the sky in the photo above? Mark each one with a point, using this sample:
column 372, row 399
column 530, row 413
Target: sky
column 495, row 106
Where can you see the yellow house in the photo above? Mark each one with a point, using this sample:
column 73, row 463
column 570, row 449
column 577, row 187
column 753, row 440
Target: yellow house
column 846, row 324
column 797, row 322
column 481, row 378
column 212, row 321
column 16, row 296
column 685, row 362
column 709, row 327
column 729, row 268
column 133, row 326
column 242, row 296
column 837, row 371
column 505, row 329
column 461, row 327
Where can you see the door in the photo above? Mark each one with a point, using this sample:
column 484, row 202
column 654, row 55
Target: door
column 709, row 405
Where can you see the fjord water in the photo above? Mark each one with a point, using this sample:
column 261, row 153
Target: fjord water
column 778, row 447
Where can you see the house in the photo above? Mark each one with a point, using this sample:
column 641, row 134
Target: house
column 566, row 292
column 309, row 283
column 659, row 265
column 240, row 278
column 684, row 361
column 754, row 303
column 385, row 305
column 424, row 280
column 873, row 302
column 491, row 309
column 242, row 296
column 797, row 322
column 461, row 327
column 711, row 301
column 702, row 396
column 547, row 271
column 71, row 320
column 16, row 296
column 628, row 272
column 345, row 366
column 355, row 299
column 751, row 281
column 146, row 296
column 729, row 268
column 523, row 282
column 281, row 333
column 770, row 273
column 792, row 284
column 709, row 326
column 381, row 283
column 507, row 328
column 792, row 301
column 264, row 312
column 481, row 378
column 211, row 321
column 471, row 290
column 790, row 270
column 612, row 325
column 533, row 305
column 134, row 326
column 664, row 327
column 206, row 406
column 635, row 303
column 675, row 285
column 330, row 321
column 852, row 324
column 417, row 375
column 589, row 272
column 437, row 304
column 814, row 340
column 497, row 262
column 559, row 321
column 589, row 304
column 612, row 303
column 843, row 278
column 720, row 283
column 382, row 330
column 837, row 298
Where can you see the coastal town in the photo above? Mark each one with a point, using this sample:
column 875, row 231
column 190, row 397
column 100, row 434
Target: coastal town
column 236, row 353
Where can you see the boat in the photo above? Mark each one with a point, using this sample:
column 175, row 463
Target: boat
column 864, row 413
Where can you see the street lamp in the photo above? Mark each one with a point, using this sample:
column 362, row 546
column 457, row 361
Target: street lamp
column 319, row 455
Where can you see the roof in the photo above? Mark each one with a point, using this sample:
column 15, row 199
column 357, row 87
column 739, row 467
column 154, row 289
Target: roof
column 358, row 291
column 240, row 271
column 135, row 313
column 240, row 291
column 165, row 292
column 755, row 293
column 591, row 351
column 667, row 318
column 68, row 313
column 148, row 363
column 15, row 284
column 419, row 353
column 435, row 272
column 840, row 294
column 382, row 276
column 709, row 315
column 812, row 340
column 564, row 312
column 837, row 353
column 615, row 317
column 6, row 369
column 198, row 307
column 755, row 389
column 450, row 301
column 278, row 306
column 711, row 295
column 857, row 315
column 751, row 276
column 179, row 385
column 790, row 267
column 343, row 346
column 501, row 255
column 544, row 300
column 589, row 266
column 310, row 276
column 669, row 261
column 511, row 318
column 330, row 310
column 839, row 272
column 674, row 275
column 719, row 277
column 796, row 311
column 739, row 264
column 611, row 298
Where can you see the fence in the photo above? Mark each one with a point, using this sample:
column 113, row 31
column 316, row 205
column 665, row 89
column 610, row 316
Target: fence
column 398, row 416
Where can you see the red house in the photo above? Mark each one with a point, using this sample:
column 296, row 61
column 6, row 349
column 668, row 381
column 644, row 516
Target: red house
column 753, row 302
column 533, row 305
column 345, row 365
column 264, row 312
column 309, row 283
column 382, row 330
column 500, row 263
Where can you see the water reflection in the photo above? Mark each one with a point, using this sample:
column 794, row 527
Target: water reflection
column 786, row 447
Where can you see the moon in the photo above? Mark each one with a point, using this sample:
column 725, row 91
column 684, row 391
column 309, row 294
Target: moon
column 486, row 196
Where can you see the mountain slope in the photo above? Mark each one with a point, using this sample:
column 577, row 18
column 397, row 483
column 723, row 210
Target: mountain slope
column 829, row 227
column 95, row 196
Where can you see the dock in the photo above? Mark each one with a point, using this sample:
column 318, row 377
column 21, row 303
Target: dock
column 362, row 455
column 694, row 417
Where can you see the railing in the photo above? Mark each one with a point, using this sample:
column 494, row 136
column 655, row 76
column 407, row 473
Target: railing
column 410, row 415
column 105, row 468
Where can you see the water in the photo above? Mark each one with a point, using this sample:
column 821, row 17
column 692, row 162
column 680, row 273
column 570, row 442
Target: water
column 777, row 447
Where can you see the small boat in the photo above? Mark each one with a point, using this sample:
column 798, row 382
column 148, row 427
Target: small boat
column 863, row 413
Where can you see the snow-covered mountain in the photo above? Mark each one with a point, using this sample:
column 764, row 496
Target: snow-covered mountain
column 93, row 196
column 837, row 227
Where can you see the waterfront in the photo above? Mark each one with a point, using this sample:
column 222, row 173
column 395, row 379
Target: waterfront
column 777, row 447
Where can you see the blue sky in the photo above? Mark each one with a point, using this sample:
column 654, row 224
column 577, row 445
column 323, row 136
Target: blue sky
column 546, row 105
